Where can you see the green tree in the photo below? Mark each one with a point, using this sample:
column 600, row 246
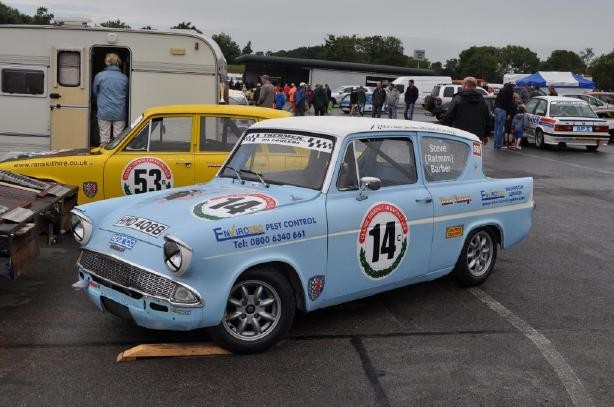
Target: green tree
column 381, row 50
column 481, row 62
column 411, row 62
column 437, row 68
column 186, row 25
column 229, row 48
column 343, row 48
column 114, row 24
column 516, row 59
column 587, row 55
column 602, row 70
column 42, row 17
column 9, row 15
column 147, row 27
column 563, row 60
column 247, row 49
column 314, row 52
column 452, row 68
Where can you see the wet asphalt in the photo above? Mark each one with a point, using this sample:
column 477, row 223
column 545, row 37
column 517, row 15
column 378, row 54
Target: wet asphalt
column 432, row 344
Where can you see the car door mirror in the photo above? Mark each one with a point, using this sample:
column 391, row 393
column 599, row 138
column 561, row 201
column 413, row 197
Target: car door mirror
column 371, row 183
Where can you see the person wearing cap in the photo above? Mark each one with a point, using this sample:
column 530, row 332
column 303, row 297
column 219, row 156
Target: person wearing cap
column 267, row 93
column 300, row 98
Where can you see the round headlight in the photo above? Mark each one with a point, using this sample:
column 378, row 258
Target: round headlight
column 81, row 228
column 177, row 255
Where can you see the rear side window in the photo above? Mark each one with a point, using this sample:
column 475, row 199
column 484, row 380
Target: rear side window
column 23, row 81
column 449, row 91
column 221, row 133
column 443, row 159
column 435, row 91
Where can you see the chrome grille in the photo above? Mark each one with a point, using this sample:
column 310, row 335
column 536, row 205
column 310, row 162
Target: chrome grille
column 126, row 275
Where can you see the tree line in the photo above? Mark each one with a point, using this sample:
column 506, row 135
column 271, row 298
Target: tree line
column 486, row 62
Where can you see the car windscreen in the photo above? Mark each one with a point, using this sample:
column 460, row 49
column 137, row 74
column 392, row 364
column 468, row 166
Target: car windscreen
column 116, row 140
column 281, row 158
column 571, row 109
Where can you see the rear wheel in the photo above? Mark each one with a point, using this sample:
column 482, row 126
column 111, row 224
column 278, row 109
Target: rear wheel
column 592, row 148
column 539, row 139
column 259, row 312
column 477, row 259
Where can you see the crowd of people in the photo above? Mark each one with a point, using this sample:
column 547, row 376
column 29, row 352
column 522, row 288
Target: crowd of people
column 288, row 96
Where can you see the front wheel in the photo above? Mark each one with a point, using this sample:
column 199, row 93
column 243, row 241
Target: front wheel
column 477, row 259
column 539, row 139
column 592, row 149
column 259, row 312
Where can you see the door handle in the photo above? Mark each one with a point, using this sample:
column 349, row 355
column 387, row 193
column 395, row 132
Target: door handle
column 54, row 96
column 425, row 200
column 188, row 164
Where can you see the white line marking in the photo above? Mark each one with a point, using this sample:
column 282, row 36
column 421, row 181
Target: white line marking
column 574, row 387
column 565, row 163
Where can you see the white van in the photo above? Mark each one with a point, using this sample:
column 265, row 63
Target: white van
column 425, row 85
column 46, row 75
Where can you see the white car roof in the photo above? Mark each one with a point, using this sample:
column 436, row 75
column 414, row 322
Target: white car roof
column 559, row 99
column 341, row 127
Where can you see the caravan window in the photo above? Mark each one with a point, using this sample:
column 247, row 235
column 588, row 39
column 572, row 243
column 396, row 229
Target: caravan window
column 221, row 133
column 69, row 68
column 23, row 81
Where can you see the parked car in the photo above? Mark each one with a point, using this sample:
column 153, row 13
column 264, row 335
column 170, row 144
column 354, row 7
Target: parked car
column 344, row 105
column 349, row 208
column 237, row 97
column 338, row 94
column 165, row 147
column 607, row 97
column 438, row 101
column 564, row 121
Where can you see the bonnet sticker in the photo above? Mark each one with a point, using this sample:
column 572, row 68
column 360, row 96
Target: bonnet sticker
column 227, row 206
column 146, row 174
column 180, row 195
column 382, row 240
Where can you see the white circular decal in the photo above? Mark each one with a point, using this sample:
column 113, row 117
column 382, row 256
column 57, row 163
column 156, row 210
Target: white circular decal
column 383, row 240
column 226, row 206
column 146, row 174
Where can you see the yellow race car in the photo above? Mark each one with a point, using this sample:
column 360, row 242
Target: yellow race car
column 166, row 147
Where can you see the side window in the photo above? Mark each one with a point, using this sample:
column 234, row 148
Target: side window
column 23, row 81
column 443, row 159
column 164, row 134
column 448, row 91
column 531, row 104
column 389, row 159
column 69, row 68
column 435, row 91
column 348, row 175
column 221, row 133
column 540, row 109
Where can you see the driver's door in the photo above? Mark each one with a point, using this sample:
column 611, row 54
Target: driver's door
column 159, row 156
column 383, row 240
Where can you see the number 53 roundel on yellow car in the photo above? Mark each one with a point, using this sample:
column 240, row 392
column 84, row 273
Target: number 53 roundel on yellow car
column 166, row 147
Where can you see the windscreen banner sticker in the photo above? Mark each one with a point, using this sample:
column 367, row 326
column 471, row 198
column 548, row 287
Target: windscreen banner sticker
column 143, row 225
column 568, row 102
column 292, row 140
column 227, row 206
column 146, row 174
column 382, row 240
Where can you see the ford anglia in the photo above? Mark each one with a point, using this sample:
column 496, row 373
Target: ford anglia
column 348, row 208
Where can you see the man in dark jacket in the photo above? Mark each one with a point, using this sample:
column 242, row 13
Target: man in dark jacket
column 411, row 95
column 468, row 111
column 320, row 101
column 362, row 100
column 379, row 96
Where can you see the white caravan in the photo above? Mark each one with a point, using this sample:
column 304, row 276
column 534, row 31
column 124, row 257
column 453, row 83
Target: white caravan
column 425, row 85
column 47, row 73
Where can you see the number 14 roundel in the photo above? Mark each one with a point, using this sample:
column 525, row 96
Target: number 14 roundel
column 383, row 240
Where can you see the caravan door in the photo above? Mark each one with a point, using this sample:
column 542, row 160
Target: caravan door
column 68, row 98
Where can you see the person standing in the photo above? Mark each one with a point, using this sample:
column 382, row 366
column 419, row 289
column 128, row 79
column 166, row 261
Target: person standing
column 468, row 111
column 411, row 96
column 256, row 96
column 518, row 126
column 291, row 94
column 300, row 99
column 267, row 93
column 353, row 102
column 110, row 89
column 552, row 91
column 320, row 101
column 280, row 99
column 503, row 107
column 329, row 96
column 361, row 96
column 392, row 100
column 378, row 97
column 309, row 97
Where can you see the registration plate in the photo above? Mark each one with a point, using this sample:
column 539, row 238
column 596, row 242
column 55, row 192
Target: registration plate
column 582, row 128
column 143, row 225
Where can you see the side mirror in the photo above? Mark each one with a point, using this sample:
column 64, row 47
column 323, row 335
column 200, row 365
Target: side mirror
column 368, row 182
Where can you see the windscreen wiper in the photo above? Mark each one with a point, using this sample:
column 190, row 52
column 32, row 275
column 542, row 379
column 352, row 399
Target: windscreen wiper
column 236, row 172
column 256, row 174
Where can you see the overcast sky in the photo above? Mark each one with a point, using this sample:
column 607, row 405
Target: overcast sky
column 442, row 27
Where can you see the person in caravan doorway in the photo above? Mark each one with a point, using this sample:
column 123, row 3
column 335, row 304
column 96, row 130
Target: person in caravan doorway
column 111, row 92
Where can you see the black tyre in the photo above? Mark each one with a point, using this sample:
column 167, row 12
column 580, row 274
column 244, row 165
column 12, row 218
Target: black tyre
column 539, row 139
column 477, row 258
column 259, row 312
column 592, row 149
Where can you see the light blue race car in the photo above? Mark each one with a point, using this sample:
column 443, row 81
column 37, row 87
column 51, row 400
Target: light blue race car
column 307, row 212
